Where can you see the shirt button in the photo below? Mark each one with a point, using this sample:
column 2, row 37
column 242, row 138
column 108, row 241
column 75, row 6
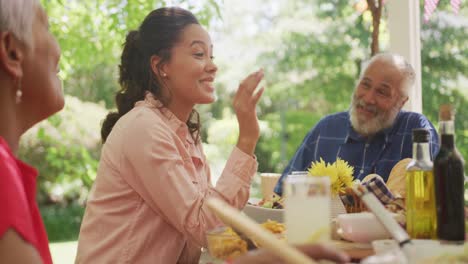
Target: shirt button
column 361, row 171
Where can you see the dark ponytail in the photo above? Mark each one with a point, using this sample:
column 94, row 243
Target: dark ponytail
column 158, row 33
column 130, row 79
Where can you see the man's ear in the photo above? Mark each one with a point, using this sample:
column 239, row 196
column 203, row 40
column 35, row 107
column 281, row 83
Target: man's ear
column 11, row 54
column 403, row 102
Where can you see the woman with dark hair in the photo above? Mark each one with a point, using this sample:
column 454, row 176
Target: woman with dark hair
column 147, row 203
column 30, row 91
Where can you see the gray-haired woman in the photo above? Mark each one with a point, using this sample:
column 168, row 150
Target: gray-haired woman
column 30, row 91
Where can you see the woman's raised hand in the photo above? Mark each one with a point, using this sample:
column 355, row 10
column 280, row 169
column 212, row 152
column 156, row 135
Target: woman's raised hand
column 245, row 103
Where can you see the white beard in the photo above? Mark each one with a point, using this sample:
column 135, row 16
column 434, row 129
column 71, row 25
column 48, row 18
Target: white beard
column 379, row 122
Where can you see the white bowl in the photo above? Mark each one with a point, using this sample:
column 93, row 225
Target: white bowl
column 361, row 227
column 261, row 214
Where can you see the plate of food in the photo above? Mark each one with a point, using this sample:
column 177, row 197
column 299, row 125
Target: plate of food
column 224, row 243
column 262, row 210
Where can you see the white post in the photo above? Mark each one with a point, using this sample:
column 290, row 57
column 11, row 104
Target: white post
column 404, row 29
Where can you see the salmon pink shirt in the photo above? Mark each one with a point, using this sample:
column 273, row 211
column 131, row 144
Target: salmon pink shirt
column 147, row 203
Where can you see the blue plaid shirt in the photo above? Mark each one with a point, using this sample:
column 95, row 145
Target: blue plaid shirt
column 334, row 137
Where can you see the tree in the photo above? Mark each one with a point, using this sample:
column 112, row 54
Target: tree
column 375, row 7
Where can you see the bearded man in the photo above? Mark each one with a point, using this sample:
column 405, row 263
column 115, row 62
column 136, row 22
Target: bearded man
column 375, row 133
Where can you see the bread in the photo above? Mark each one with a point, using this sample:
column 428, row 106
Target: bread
column 397, row 180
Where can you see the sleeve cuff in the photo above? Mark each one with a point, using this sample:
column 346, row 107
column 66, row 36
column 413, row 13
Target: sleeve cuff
column 242, row 165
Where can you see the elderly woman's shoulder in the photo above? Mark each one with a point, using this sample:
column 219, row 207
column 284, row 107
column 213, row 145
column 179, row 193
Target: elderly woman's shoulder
column 5, row 153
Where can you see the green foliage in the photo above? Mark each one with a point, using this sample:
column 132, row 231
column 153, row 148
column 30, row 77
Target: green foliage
column 269, row 148
column 65, row 149
column 91, row 34
column 318, row 68
column 62, row 223
column 445, row 63
column 313, row 67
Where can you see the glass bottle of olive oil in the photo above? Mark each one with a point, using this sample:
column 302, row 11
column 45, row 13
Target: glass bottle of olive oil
column 421, row 215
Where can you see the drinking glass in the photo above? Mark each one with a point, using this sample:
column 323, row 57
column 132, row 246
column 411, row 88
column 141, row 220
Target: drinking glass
column 307, row 209
column 268, row 182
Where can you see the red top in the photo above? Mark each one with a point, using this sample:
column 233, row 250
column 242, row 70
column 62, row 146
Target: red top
column 18, row 207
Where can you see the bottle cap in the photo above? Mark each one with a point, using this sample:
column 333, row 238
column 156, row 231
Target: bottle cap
column 446, row 112
column 421, row 135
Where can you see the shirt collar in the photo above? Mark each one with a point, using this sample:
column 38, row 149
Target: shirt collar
column 174, row 123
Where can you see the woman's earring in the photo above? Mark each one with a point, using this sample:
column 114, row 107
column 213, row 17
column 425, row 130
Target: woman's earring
column 164, row 75
column 19, row 93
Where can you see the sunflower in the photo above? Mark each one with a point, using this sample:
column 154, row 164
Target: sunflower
column 339, row 172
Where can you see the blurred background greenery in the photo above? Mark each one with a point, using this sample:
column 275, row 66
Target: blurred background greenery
column 311, row 50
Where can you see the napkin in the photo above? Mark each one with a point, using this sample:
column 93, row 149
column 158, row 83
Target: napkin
column 375, row 184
